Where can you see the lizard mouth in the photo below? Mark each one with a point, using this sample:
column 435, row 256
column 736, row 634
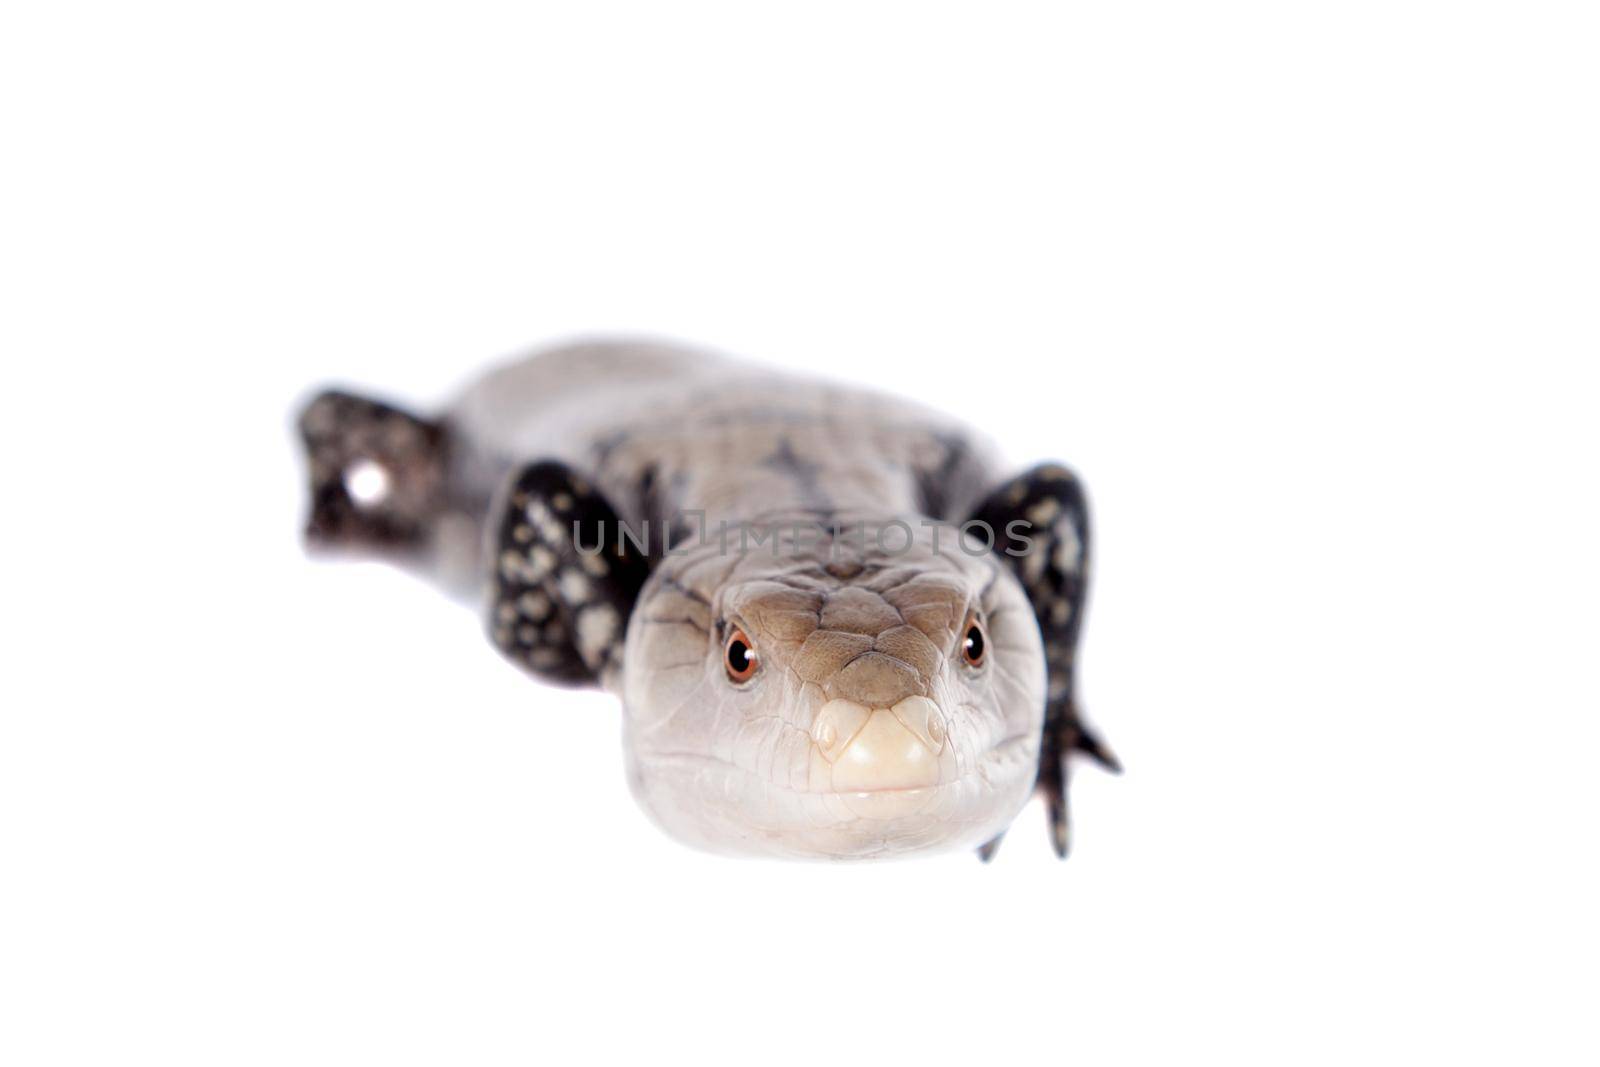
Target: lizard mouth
column 879, row 804
column 722, row 806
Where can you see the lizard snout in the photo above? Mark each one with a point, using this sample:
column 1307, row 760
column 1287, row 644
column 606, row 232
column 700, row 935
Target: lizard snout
column 883, row 761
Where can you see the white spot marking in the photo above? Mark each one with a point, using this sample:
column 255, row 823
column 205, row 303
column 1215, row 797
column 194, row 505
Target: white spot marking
column 596, row 629
column 367, row 483
column 574, row 586
column 1068, row 556
column 541, row 561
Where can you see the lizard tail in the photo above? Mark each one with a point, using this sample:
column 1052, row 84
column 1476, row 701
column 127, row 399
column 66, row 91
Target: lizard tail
column 377, row 474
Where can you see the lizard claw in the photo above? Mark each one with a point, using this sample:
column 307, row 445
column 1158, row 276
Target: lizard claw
column 1096, row 749
column 987, row 850
column 1055, row 773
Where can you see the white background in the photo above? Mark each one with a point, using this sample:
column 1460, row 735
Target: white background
column 1306, row 291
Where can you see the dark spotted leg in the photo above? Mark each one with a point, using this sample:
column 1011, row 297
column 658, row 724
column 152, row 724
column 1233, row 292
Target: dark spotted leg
column 1050, row 556
column 565, row 577
column 377, row 474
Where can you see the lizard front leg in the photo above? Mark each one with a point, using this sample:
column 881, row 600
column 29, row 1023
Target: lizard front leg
column 565, row 580
column 1052, row 563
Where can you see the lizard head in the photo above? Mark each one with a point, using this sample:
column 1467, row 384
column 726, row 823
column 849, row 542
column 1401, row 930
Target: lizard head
column 805, row 692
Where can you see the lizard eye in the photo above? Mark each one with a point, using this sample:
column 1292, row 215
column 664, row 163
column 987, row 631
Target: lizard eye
column 739, row 656
column 974, row 647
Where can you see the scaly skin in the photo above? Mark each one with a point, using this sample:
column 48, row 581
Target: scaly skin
column 804, row 522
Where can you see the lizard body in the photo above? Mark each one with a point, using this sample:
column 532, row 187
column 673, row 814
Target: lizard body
column 835, row 631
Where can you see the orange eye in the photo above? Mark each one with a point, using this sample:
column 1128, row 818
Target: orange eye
column 739, row 656
column 973, row 644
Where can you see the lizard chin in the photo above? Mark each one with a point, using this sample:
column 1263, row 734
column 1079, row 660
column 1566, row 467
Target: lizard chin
column 720, row 806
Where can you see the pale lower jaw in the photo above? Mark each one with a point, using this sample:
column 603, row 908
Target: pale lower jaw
column 720, row 807
column 888, row 803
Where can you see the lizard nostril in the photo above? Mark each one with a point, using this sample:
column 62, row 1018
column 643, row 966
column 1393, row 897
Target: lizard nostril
column 827, row 735
column 838, row 722
column 922, row 717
